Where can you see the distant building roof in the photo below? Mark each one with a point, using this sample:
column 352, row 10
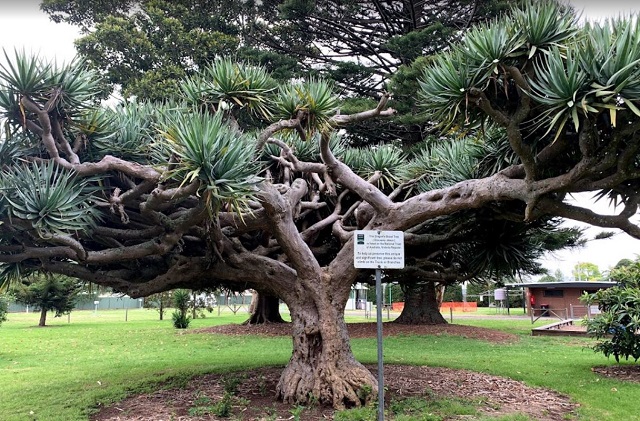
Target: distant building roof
column 572, row 284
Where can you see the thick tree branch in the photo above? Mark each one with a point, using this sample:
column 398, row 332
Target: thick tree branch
column 381, row 110
column 288, row 158
column 280, row 212
column 16, row 254
column 344, row 175
column 577, row 213
column 266, row 134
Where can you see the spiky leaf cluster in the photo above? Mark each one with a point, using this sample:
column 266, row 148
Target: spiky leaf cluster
column 314, row 99
column 50, row 198
column 572, row 74
column 225, row 84
column 209, row 150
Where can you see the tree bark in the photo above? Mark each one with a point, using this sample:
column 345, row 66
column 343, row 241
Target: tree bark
column 421, row 305
column 43, row 317
column 322, row 367
column 265, row 310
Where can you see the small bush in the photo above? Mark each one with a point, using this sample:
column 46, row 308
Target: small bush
column 180, row 320
column 204, row 406
column 181, row 302
column 223, row 408
column 231, row 383
column 365, row 393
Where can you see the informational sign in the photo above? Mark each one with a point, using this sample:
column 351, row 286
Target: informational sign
column 378, row 249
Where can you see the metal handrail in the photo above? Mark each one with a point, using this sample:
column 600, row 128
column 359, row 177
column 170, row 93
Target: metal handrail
column 546, row 312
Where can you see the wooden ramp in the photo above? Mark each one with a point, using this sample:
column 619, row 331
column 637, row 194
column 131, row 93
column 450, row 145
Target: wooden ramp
column 569, row 327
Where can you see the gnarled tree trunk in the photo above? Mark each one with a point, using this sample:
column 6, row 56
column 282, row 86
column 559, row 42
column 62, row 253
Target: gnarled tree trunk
column 264, row 308
column 421, row 305
column 322, row 366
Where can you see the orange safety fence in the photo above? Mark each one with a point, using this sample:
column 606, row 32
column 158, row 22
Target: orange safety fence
column 459, row 306
column 456, row 306
column 399, row 306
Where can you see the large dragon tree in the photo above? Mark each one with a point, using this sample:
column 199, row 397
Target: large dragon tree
column 152, row 197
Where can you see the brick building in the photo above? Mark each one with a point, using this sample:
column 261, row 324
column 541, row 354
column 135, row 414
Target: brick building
column 559, row 299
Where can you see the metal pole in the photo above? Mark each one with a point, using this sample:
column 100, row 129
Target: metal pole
column 379, row 299
column 390, row 303
column 507, row 298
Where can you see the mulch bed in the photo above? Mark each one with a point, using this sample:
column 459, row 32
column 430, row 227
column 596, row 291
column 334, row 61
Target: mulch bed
column 629, row 373
column 494, row 396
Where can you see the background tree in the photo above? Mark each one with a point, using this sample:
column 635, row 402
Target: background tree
column 622, row 263
column 156, row 197
column 200, row 301
column 264, row 308
column 48, row 292
column 160, row 301
column 557, row 276
column 618, row 324
column 480, row 245
column 586, row 271
column 146, row 47
column 4, row 308
column 363, row 45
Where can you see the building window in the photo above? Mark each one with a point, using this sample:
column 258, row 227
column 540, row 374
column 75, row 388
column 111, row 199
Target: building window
column 554, row 293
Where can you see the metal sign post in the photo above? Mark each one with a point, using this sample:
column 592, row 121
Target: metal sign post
column 379, row 337
column 379, row 250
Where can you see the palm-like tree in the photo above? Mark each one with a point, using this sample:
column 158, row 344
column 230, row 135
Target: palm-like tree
column 192, row 212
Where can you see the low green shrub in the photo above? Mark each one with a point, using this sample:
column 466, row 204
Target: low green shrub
column 180, row 320
column 181, row 299
column 617, row 327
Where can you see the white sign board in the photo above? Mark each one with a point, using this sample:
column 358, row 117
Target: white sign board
column 378, row 249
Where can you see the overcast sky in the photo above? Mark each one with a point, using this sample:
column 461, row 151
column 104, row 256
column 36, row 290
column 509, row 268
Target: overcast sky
column 23, row 25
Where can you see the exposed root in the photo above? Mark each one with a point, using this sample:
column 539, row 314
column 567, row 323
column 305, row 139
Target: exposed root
column 342, row 386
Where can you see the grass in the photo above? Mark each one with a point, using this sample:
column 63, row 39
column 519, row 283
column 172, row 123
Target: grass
column 414, row 409
column 63, row 371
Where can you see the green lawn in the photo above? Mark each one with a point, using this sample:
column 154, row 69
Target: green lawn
column 63, row 371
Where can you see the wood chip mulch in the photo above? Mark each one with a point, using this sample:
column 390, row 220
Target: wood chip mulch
column 626, row 372
column 494, row 396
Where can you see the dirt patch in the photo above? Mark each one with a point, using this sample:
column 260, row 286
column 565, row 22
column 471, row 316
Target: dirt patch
column 368, row 330
column 629, row 373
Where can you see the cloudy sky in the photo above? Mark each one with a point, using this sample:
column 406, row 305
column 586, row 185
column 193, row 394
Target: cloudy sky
column 23, row 25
